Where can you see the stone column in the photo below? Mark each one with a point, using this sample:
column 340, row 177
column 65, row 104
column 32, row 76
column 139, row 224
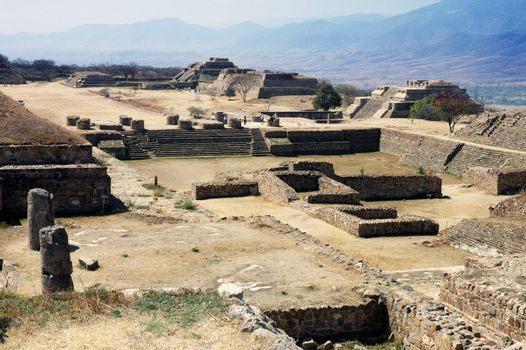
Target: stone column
column 55, row 260
column 40, row 213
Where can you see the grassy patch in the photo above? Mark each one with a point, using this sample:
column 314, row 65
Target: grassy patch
column 186, row 205
column 4, row 225
column 184, row 310
column 163, row 309
column 158, row 190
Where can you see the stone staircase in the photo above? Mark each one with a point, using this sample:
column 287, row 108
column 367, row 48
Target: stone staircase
column 370, row 108
column 471, row 156
column 191, row 143
column 259, row 146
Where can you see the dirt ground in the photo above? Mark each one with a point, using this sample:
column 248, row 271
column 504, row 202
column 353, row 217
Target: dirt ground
column 54, row 101
column 136, row 331
column 134, row 253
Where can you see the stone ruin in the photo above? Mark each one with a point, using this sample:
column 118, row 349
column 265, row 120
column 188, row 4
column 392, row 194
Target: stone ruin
column 55, row 260
column 56, row 161
column 90, row 79
column 40, row 214
column 396, row 101
column 286, row 185
column 197, row 72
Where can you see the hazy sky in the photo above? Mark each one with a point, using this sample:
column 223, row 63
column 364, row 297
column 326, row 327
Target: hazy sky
column 58, row 15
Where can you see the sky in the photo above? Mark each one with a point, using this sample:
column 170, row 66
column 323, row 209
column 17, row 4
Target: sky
column 40, row 16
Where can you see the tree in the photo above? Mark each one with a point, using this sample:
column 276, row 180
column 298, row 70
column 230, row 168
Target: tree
column 452, row 106
column 130, row 70
column 446, row 107
column 43, row 65
column 196, row 112
column 212, row 92
column 243, row 83
column 230, row 92
column 326, row 97
column 350, row 92
column 269, row 103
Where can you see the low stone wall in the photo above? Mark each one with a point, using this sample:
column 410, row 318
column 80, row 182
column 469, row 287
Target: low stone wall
column 386, row 187
column 300, row 181
column 52, row 154
column 491, row 291
column 333, row 192
column 365, row 321
column 515, row 206
column 383, row 225
column 325, row 168
column 495, row 181
column 488, row 234
column 224, row 189
column 77, row 188
column 9, row 278
column 275, row 190
column 313, row 115
column 371, row 213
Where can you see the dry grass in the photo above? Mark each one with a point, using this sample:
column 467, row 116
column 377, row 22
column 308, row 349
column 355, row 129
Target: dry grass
column 161, row 311
column 19, row 126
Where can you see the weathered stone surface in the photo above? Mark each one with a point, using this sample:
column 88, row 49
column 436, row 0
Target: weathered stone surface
column 89, row 264
column 55, row 260
column 137, row 125
column 84, row 124
column 71, row 120
column 125, row 120
column 230, row 290
column 185, row 124
column 172, row 119
column 234, row 123
column 40, row 214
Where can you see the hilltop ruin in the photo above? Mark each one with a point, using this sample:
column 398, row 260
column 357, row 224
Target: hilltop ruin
column 396, row 101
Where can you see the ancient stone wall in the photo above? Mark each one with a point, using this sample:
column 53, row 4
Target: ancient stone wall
column 488, row 234
column 334, row 192
column 418, row 150
column 52, row 154
column 77, row 188
column 379, row 222
column 379, row 187
column 325, row 168
column 224, row 189
column 495, row 181
column 515, row 206
column 491, row 291
column 367, row 320
column 275, row 190
column 300, row 181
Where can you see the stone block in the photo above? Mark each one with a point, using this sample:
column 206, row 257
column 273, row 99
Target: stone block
column 40, row 214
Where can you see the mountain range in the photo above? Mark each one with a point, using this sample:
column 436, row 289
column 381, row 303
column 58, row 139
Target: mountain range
column 478, row 41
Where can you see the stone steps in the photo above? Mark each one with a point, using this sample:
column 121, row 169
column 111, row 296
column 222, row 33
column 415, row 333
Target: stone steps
column 259, row 146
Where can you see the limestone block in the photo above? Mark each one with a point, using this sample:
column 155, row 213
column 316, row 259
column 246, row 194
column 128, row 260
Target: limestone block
column 137, row 125
column 185, row 124
column 71, row 120
column 172, row 119
column 89, row 264
column 84, row 124
column 125, row 120
column 40, row 213
column 230, row 290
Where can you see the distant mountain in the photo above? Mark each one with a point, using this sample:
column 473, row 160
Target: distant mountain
column 454, row 39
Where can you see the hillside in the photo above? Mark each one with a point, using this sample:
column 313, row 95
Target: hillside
column 21, row 127
column 461, row 40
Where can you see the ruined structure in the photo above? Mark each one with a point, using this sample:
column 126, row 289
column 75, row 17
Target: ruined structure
column 271, row 84
column 90, row 79
column 286, row 185
column 505, row 129
column 37, row 154
column 396, row 101
column 40, row 214
column 55, row 260
column 207, row 71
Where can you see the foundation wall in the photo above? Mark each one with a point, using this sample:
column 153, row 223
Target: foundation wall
column 394, row 187
column 404, row 226
column 275, row 190
column 364, row 321
column 224, row 190
column 333, row 192
column 53, row 154
column 77, row 189
column 489, row 304
column 300, row 181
